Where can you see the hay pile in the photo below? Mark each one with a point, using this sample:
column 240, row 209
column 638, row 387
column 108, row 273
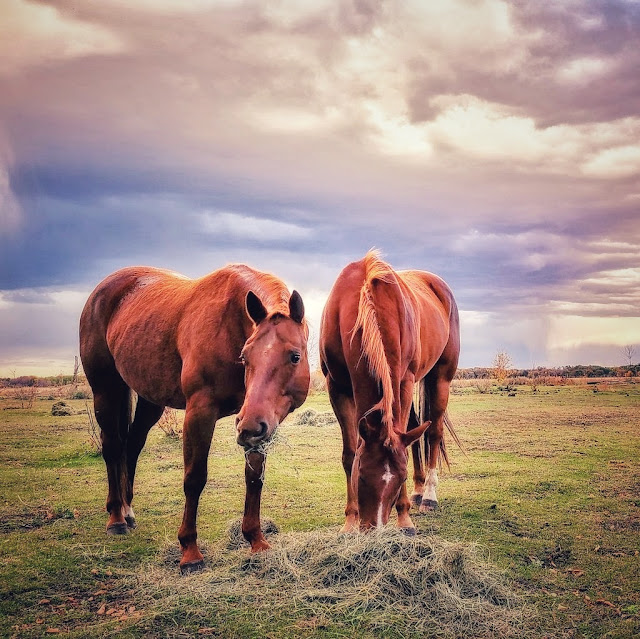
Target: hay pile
column 416, row 586
column 61, row 409
column 418, row 581
column 310, row 417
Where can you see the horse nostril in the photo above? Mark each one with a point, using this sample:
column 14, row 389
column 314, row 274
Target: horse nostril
column 249, row 435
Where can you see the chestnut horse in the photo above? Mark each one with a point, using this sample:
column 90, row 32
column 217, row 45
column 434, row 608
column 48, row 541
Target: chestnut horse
column 233, row 341
column 382, row 332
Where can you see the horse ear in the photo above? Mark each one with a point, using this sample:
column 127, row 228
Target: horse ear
column 296, row 307
column 412, row 435
column 255, row 308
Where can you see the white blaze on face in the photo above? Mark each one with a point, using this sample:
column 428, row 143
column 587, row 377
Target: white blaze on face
column 386, row 478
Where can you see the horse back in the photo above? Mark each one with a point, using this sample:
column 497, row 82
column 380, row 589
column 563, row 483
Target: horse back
column 167, row 335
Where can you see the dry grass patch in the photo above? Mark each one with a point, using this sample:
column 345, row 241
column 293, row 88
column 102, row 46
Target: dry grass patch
column 420, row 585
column 311, row 417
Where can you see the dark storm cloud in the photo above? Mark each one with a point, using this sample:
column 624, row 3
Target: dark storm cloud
column 578, row 64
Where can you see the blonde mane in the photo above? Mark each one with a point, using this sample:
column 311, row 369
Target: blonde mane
column 271, row 290
column 372, row 344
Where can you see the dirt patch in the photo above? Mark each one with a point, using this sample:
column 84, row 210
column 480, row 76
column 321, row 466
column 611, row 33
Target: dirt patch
column 32, row 520
column 623, row 524
column 555, row 557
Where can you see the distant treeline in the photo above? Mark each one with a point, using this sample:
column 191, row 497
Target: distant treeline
column 463, row 373
column 561, row 371
column 40, row 382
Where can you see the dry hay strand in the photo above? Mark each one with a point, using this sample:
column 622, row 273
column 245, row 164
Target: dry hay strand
column 311, row 417
column 417, row 586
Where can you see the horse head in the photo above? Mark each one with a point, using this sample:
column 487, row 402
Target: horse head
column 276, row 369
column 380, row 468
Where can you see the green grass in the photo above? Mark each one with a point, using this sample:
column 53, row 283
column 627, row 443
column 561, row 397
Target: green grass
column 548, row 487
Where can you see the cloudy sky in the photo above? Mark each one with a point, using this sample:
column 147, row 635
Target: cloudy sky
column 494, row 143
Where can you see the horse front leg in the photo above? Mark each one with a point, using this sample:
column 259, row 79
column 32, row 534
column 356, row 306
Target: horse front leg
column 403, row 503
column 254, row 479
column 345, row 410
column 199, row 423
column 419, row 476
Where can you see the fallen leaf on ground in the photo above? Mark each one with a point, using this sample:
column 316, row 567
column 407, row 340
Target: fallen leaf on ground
column 576, row 572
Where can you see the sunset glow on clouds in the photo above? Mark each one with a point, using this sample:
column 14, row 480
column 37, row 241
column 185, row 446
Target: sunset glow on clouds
column 494, row 143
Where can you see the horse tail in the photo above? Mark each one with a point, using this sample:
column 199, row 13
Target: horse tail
column 423, row 412
column 372, row 343
column 127, row 412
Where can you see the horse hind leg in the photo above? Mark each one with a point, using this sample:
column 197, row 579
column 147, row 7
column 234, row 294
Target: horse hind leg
column 146, row 415
column 436, row 398
column 112, row 403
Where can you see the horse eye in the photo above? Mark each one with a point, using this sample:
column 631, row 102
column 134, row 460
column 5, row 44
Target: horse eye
column 295, row 358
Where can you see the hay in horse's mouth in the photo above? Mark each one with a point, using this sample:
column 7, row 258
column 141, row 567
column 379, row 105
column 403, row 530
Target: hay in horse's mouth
column 379, row 579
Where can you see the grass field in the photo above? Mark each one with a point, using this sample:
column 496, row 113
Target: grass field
column 548, row 488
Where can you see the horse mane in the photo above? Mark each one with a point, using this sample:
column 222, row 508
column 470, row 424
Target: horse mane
column 271, row 290
column 372, row 344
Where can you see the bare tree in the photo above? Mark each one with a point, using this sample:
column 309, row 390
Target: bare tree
column 629, row 352
column 501, row 366
column 76, row 368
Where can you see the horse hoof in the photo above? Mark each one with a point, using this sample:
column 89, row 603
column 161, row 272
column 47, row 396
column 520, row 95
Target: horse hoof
column 416, row 500
column 192, row 566
column 409, row 532
column 131, row 522
column 119, row 528
column 428, row 505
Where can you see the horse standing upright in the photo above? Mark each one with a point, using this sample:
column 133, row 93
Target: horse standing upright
column 382, row 332
column 234, row 340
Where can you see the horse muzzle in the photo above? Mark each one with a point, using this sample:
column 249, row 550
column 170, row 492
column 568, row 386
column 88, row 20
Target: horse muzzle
column 253, row 432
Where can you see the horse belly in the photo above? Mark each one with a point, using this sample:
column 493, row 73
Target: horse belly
column 149, row 364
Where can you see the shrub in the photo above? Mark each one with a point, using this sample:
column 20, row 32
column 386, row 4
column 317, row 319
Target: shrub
column 170, row 423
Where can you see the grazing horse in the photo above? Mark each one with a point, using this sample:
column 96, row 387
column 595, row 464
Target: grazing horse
column 233, row 341
column 382, row 332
